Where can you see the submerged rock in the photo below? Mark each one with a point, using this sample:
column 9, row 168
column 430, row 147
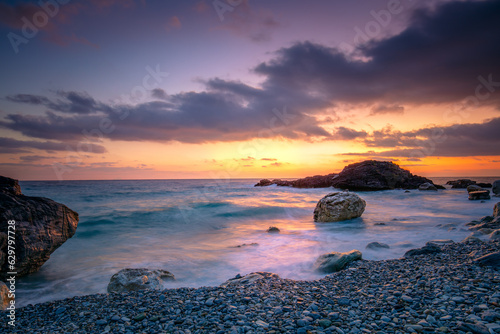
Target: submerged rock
column 377, row 245
column 41, row 226
column 335, row 261
column 479, row 195
column 339, row 206
column 373, row 175
column 427, row 186
column 138, row 279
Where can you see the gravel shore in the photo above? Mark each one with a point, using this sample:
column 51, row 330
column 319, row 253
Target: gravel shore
column 432, row 293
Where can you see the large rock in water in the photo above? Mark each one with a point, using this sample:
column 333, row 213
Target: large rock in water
column 339, row 206
column 427, row 187
column 42, row 225
column 335, row 261
column 317, row 181
column 479, row 195
column 461, row 184
column 373, row 175
column 138, row 279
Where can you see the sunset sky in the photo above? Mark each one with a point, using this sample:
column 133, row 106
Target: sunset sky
column 143, row 89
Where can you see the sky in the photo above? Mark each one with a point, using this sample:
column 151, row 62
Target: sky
column 144, row 89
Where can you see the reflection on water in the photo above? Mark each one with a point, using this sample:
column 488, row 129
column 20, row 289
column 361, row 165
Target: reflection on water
column 192, row 228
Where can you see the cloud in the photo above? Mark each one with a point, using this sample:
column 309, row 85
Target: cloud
column 387, row 109
column 71, row 102
column 343, row 133
column 269, row 159
column 439, row 58
column 34, row 158
column 254, row 24
column 9, row 145
column 459, row 140
column 159, row 93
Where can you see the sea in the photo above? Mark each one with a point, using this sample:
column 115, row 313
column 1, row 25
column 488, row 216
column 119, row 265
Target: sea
column 208, row 231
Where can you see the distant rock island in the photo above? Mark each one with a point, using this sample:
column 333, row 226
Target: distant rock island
column 369, row 175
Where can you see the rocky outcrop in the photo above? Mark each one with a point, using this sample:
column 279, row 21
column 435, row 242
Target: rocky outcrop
column 339, row 206
column 492, row 259
column 335, row 261
column 460, row 184
column 138, row 279
column 374, row 175
column 427, row 186
column 273, row 229
column 317, row 181
column 484, row 185
column 41, row 226
column 479, row 195
column 496, row 188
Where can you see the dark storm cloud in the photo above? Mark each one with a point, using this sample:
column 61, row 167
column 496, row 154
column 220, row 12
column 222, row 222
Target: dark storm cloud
column 387, row 109
column 437, row 59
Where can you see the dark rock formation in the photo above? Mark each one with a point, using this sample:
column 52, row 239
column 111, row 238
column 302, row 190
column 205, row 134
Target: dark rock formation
column 492, row 259
column 479, row 195
column 461, row 184
column 317, row 181
column 496, row 188
column 485, row 185
column 41, row 226
column 427, row 187
column 273, row 229
column 373, row 175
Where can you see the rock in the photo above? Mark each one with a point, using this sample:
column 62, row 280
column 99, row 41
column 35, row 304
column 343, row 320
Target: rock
column 484, row 185
column 339, row 206
column 476, row 328
column 41, row 224
column 427, row 186
column 335, row 261
column 487, row 222
column 491, row 259
column 439, row 242
column 248, row 279
column 377, row 245
column 473, row 187
column 496, row 188
column 374, row 175
column 263, row 183
column 461, row 184
column 429, row 249
column 479, row 195
column 138, row 279
column 4, row 296
column 273, row 229
column 496, row 210
column 471, row 238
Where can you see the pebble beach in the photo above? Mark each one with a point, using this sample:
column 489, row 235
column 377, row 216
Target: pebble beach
column 445, row 292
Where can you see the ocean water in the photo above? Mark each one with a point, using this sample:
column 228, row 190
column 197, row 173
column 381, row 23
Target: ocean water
column 193, row 228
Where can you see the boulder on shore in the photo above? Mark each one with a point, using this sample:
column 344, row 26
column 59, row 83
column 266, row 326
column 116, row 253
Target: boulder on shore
column 335, row 261
column 239, row 280
column 138, row 279
column 371, row 175
column 41, row 226
column 428, row 249
column 479, row 195
column 339, row 206
column 491, row 259
column 427, row 186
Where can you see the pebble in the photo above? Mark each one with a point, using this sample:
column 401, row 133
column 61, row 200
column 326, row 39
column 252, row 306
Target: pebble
column 443, row 292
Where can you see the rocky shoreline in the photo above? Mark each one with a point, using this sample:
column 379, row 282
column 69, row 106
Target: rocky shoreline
column 447, row 291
